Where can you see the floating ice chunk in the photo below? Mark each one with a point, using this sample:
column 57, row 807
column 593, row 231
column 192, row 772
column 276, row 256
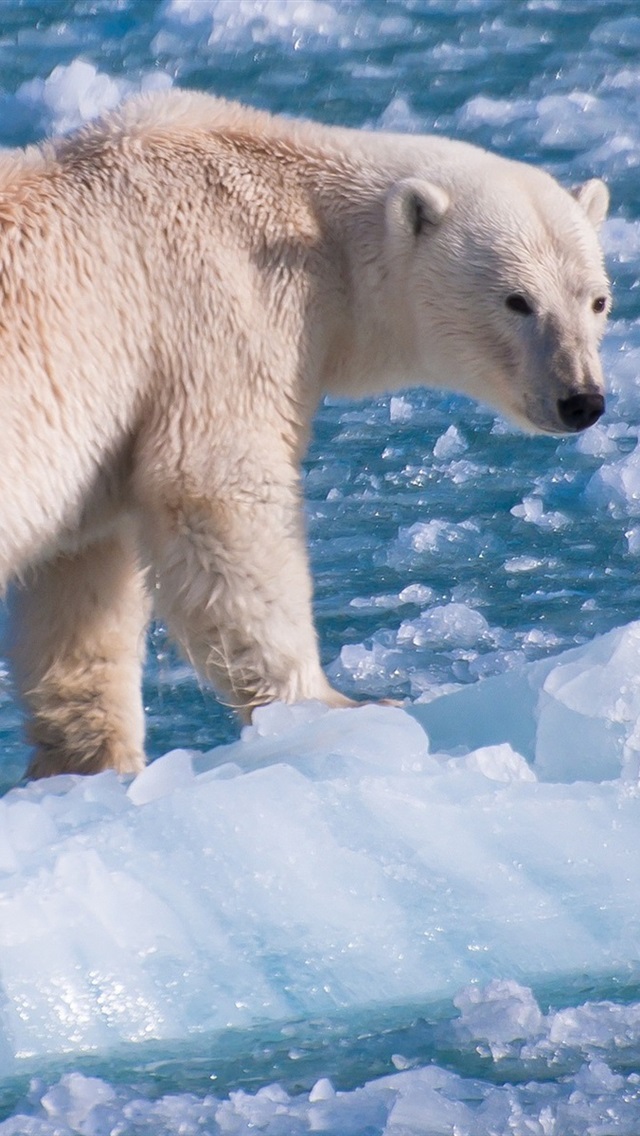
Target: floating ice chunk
column 532, row 511
column 190, row 11
column 452, row 624
column 449, row 444
column 71, row 95
column 621, row 241
column 399, row 116
column 153, row 81
column 591, row 1028
column 400, row 1062
column 621, row 356
column 481, row 110
column 500, row 1014
column 425, row 535
column 537, row 637
column 384, row 601
column 623, row 32
column 575, row 717
column 597, row 1077
column 366, row 666
column 597, row 442
column 443, row 642
column 436, row 537
column 462, row 471
column 76, row 92
column 398, row 26
column 75, row 1098
column 400, row 409
column 522, row 564
column 617, row 486
column 416, row 594
column 413, row 1102
column 572, row 119
column 322, row 1090
column 617, row 153
column 257, row 21
column 166, row 775
column 588, row 710
column 632, row 537
column 427, row 1101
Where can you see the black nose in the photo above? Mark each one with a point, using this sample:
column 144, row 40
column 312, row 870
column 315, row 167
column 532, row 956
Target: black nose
column 580, row 411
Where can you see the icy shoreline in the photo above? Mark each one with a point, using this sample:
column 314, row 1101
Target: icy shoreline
column 330, row 861
column 588, row 1097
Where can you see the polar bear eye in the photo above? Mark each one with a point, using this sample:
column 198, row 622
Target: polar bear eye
column 599, row 304
column 517, row 303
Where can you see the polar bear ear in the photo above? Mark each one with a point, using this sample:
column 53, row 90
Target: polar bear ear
column 593, row 196
column 413, row 204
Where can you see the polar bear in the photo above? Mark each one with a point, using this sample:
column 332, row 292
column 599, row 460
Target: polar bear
column 181, row 283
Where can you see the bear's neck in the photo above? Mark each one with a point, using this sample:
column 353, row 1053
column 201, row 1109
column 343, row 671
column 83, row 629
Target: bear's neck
column 371, row 335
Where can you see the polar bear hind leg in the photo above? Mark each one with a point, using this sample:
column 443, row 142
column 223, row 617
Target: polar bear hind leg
column 77, row 648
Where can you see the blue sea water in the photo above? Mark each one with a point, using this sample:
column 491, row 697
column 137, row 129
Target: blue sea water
column 347, row 928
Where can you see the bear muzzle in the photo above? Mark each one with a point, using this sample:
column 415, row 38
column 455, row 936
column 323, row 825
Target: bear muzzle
column 580, row 411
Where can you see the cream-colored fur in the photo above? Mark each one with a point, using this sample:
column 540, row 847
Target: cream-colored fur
column 181, row 283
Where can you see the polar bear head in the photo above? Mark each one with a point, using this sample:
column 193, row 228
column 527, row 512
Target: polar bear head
column 505, row 288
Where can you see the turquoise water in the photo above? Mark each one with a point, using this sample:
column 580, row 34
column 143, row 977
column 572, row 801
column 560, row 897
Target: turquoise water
column 538, row 537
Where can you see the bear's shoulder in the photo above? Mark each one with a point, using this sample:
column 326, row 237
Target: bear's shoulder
column 179, row 114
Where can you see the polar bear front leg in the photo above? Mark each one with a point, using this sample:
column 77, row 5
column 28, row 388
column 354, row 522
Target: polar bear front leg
column 77, row 647
column 234, row 587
